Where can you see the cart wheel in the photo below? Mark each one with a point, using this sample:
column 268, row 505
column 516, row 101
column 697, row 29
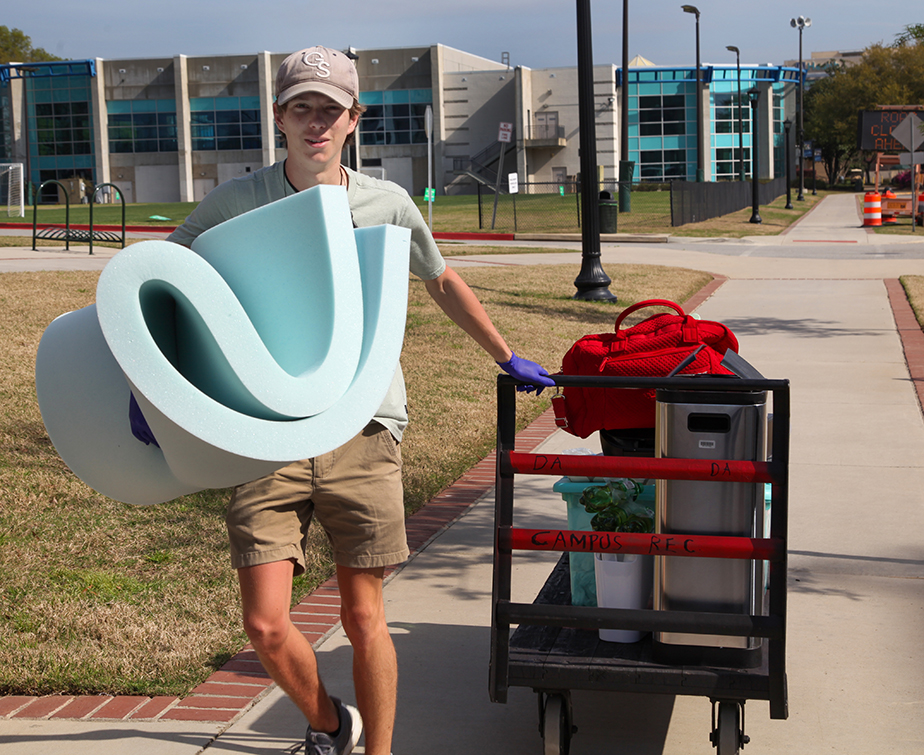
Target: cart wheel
column 556, row 725
column 728, row 731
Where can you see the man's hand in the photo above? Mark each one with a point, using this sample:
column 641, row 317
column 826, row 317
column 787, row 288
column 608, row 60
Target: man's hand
column 535, row 377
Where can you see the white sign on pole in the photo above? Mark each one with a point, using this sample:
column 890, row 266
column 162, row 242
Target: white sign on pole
column 513, row 183
column 908, row 133
column 505, row 132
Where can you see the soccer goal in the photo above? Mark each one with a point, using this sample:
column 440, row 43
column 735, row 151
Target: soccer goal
column 12, row 193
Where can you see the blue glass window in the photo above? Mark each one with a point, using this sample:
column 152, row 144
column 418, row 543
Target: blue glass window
column 394, row 116
column 141, row 125
column 662, row 117
column 225, row 123
column 59, row 121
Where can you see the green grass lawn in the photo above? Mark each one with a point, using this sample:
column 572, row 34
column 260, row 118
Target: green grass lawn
column 522, row 213
column 102, row 597
column 554, row 213
column 111, row 214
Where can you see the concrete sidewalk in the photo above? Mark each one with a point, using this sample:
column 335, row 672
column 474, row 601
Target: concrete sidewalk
column 856, row 605
column 838, row 221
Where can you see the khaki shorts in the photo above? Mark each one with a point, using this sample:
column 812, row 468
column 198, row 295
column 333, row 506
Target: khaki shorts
column 355, row 491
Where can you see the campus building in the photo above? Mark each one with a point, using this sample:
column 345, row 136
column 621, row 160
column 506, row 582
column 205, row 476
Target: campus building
column 171, row 129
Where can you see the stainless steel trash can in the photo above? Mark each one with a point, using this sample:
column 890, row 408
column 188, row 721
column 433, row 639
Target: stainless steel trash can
column 723, row 425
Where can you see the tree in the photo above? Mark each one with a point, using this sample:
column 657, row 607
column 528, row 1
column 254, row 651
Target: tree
column 16, row 46
column 884, row 76
column 911, row 34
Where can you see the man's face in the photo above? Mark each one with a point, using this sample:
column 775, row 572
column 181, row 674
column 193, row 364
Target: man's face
column 315, row 126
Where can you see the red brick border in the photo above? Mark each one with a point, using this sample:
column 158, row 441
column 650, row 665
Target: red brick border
column 234, row 688
column 704, row 293
column 910, row 333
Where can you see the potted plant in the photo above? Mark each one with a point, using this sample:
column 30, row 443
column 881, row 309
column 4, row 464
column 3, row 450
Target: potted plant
column 622, row 580
column 616, row 508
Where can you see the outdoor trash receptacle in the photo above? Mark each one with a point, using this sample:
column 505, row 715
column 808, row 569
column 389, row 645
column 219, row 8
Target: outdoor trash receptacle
column 609, row 213
column 583, row 581
column 722, row 425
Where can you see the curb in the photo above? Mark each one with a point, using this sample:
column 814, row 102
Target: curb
column 628, row 238
column 473, row 236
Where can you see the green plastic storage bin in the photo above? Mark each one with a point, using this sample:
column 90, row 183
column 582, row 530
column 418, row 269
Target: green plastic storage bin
column 583, row 581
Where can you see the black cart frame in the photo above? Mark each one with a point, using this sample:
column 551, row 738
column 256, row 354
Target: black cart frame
column 552, row 650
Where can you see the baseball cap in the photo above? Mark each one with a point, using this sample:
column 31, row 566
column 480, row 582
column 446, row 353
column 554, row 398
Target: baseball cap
column 318, row 69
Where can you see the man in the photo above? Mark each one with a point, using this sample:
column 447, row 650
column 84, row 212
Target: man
column 355, row 491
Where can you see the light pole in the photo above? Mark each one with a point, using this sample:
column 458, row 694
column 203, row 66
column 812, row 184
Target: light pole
column 814, row 173
column 700, row 173
column 801, row 23
column 754, row 97
column 737, row 52
column 357, row 165
column 787, row 125
column 592, row 283
column 23, row 70
column 626, row 168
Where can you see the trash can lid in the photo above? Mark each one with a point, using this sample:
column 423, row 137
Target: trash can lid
column 712, row 398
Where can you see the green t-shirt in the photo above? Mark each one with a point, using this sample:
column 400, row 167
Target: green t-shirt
column 372, row 202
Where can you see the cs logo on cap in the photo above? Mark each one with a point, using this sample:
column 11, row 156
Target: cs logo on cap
column 317, row 60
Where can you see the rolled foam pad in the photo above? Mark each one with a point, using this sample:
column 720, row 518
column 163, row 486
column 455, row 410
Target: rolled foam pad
column 275, row 339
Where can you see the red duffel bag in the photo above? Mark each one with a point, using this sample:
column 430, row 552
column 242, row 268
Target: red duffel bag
column 653, row 348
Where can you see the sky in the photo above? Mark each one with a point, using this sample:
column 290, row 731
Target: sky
column 536, row 33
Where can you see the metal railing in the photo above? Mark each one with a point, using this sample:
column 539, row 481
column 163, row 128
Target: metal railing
column 693, row 202
column 546, row 131
column 480, row 165
column 555, row 207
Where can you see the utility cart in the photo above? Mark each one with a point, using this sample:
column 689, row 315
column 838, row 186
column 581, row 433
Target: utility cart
column 554, row 647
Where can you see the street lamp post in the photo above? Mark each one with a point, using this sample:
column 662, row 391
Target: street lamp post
column 814, row 174
column 592, row 282
column 787, row 125
column 754, row 97
column 626, row 167
column 737, row 52
column 353, row 152
column 801, row 23
column 700, row 172
column 23, row 70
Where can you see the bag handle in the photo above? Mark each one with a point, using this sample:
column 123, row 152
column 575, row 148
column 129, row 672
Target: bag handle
column 648, row 303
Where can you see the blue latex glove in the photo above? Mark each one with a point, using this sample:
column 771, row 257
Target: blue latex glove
column 139, row 424
column 535, row 377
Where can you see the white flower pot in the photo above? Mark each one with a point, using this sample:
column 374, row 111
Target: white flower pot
column 623, row 581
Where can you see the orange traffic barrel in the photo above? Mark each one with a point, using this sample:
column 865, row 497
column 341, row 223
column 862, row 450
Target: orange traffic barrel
column 872, row 209
column 887, row 215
